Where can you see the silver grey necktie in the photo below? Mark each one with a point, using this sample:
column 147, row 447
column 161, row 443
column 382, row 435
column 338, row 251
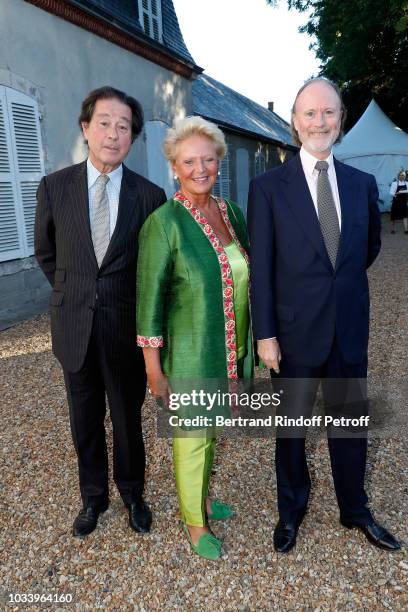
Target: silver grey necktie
column 100, row 219
column 328, row 219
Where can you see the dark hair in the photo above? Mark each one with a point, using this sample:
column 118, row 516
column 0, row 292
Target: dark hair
column 343, row 109
column 107, row 93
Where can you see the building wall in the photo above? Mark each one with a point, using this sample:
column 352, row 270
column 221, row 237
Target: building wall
column 243, row 154
column 57, row 64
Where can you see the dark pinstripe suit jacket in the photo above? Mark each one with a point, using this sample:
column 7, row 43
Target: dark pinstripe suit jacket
column 64, row 251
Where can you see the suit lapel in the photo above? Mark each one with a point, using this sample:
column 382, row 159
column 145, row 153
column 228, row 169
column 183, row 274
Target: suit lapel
column 300, row 201
column 79, row 206
column 127, row 212
column 346, row 194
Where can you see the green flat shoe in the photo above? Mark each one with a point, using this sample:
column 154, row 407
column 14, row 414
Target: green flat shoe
column 208, row 547
column 220, row 511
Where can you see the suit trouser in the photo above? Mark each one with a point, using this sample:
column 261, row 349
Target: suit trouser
column 123, row 379
column 347, row 454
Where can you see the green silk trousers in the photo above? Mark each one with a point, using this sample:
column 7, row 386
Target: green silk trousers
column 193, row 456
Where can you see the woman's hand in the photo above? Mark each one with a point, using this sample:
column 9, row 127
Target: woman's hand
column 156, row 381
column 159, row 387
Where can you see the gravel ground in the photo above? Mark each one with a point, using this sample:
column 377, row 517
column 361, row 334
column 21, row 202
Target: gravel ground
column 115, row 569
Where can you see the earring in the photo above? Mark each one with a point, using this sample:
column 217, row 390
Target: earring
column 175, row 177
column 219, row 173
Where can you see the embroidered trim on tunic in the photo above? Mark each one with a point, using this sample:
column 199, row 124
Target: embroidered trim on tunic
column 150, row 341
column 224, row 212
column 226, row 275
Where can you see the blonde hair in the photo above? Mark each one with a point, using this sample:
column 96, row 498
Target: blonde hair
column 193, row 126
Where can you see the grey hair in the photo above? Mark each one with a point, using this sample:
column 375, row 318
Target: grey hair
column 343, row 109
column 193, row 126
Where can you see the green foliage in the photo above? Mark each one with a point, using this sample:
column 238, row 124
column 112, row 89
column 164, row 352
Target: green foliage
column 363, row 46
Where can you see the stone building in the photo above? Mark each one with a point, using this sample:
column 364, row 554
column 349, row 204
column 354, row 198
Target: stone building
column 257, row 137
column 52, row 53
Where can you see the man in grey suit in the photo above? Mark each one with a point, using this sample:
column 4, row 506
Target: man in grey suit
column 86, row 241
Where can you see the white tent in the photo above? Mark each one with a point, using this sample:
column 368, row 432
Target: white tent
column 375, row 144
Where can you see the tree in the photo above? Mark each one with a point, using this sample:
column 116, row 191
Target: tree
column 363, row 46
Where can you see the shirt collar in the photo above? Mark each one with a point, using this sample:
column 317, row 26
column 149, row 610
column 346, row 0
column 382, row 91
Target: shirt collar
column 309, row 161
column 115, row 177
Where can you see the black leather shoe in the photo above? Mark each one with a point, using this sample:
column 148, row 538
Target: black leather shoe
column 376, row 534
column 140, row 517
column 87, row 520
column 284, row 536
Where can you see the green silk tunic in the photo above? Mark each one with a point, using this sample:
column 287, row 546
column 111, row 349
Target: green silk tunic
column 239, row 269
column 184, row 289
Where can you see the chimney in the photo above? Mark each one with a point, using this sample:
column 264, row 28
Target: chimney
column 270, row 106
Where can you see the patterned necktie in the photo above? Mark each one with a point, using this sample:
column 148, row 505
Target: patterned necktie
column 100, row 219
column 328, row 219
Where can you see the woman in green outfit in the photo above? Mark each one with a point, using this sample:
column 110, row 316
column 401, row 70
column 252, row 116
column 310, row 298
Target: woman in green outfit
column 192, row 306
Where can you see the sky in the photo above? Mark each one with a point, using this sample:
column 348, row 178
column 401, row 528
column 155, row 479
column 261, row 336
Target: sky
column 249, row 46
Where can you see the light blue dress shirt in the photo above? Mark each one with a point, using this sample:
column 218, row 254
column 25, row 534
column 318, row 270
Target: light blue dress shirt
column 112, row 189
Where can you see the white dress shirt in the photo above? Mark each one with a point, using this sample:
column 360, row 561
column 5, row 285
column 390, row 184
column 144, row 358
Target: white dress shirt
column 112, row 190
column 396, row 184
column 308, row 164
column 311, row 174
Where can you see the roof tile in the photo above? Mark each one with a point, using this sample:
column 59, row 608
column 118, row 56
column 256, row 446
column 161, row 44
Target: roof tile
column 220, row 103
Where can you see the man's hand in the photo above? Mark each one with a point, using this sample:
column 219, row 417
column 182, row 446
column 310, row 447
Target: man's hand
column 269, row 352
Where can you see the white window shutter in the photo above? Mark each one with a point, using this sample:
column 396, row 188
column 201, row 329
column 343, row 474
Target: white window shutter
column 150, row 18
column 11, row 242
column 222, row 186
column 28, row 159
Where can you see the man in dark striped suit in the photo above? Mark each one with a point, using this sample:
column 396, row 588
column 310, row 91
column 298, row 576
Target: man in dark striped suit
column 86, row 241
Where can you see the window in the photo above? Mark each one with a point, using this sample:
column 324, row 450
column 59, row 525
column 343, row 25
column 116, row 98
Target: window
column 260, row 162
column 158, row 168
column 222, row 185
column 150, row 18
column 21, row 169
